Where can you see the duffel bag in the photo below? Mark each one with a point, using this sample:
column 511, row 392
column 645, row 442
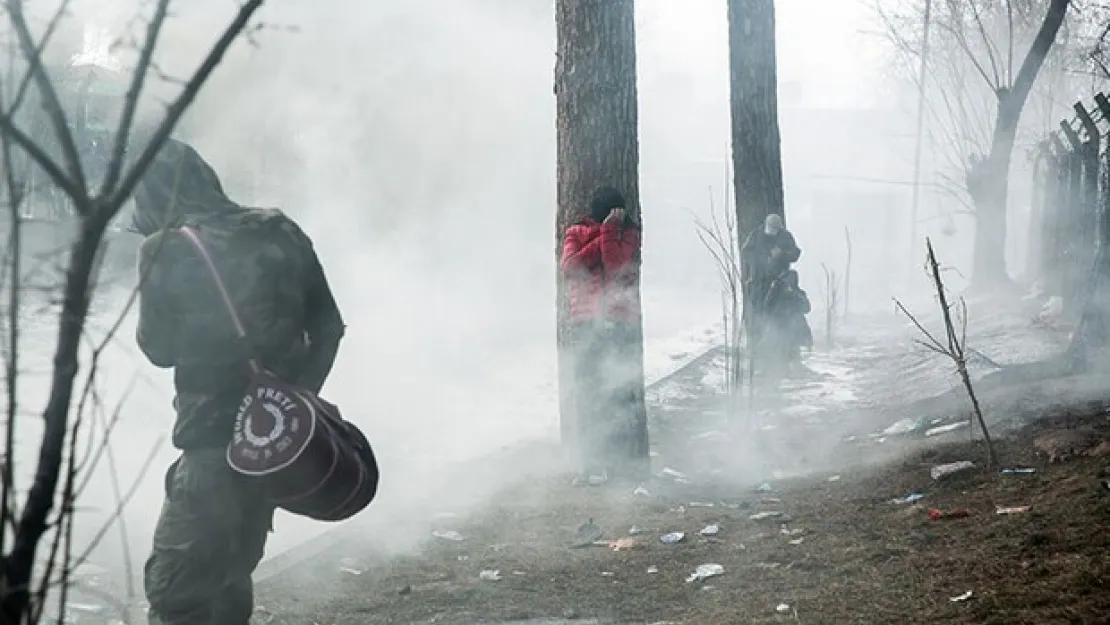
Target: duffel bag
column 304, row 456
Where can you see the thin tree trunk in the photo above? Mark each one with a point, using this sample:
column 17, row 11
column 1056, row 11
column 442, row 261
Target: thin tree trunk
column 988, row 181
column 598, row 144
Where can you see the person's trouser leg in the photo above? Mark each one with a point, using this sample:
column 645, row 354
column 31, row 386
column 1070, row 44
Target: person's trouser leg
column 626, row 439
column 208, row 540
column 588, row 397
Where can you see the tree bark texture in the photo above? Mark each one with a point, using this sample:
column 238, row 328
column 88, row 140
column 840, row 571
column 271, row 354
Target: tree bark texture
column 597, row 137
column 753, row 90
column 988, row 181
column 756, row 142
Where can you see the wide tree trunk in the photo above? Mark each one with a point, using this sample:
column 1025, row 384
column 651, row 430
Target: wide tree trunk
column 988, row 180
column 988, row 186
column 598, row 144
column 753, row 88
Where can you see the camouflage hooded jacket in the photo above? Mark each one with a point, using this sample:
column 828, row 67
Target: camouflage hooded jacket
column 275, row 280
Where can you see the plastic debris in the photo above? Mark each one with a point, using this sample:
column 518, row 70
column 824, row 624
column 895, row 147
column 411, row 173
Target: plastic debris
column 710, row 530
column 451, row 535
column 908, row 499
column 701, row 504
column 672, row 538
column 944, row 429
column 834, row 478
column 677, row 476
column 490, row 576
column 961, row 598
column 350, row 566
column 607, row 573
column 705, row 571
column 791, row 532
column 1019, row 471
column 798, row 541
column 783, row 608
column 640, row 491
column 905, row 426
column 623, row 544
column 764, row 516
column 652, row 569
column 635, row 530
column 1012, row 510
column 765, row 488
column 944, row 470
column 941, row 515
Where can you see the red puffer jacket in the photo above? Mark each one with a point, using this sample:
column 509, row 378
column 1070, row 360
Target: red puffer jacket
column 599, row 262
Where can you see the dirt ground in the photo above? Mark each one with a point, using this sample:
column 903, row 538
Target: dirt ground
column 837, row 550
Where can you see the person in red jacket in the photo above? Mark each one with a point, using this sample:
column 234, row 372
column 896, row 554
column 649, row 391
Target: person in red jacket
column 601, row 253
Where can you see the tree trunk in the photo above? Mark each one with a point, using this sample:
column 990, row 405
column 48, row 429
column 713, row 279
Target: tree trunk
column 753, row 88
column 756, row 144
column 598, row 144
column 988, row 181
column 988, row 185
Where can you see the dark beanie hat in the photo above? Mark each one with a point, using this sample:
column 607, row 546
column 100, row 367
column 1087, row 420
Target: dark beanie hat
column 604, row 200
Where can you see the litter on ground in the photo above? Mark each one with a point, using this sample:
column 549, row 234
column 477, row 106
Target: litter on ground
column 944, row 470
column 705, row 571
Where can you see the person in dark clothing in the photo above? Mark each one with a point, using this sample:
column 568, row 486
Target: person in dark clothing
column 788, row 332
column 601, row 253
column 213, row 525
column 768, row 252
column 765, row 254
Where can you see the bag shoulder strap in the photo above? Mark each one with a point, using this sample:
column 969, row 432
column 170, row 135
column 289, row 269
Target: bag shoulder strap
column 191, row 235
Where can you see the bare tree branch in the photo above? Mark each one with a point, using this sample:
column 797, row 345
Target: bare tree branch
column 96, row 214
column 954, row 350
column 52, row 106
column 131, row 99
column 178, row 107
column 51, row 27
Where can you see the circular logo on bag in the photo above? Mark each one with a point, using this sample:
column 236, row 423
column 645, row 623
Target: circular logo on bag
column 271, row 428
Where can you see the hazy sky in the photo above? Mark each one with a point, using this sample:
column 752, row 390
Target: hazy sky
column 822, row 44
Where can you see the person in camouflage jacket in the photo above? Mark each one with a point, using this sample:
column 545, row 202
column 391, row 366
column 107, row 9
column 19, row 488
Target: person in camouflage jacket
column 213, row 525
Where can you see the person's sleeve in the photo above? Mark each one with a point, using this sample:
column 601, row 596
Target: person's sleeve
column 156, row 333
column 324, row 325
column 618, row 246
column 790, row 252
column 579, row 252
